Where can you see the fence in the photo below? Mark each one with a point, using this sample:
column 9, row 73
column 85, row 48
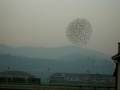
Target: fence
column 51, row 87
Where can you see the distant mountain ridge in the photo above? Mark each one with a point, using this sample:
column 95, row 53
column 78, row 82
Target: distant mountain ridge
column 44, row 61
column 49, row 53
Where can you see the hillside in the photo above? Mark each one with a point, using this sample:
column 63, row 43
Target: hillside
column 44, row 61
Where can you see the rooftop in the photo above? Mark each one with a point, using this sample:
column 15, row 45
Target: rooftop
column 117, row 56
column 10, row 73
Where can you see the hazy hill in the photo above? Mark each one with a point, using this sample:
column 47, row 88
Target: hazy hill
column 44, row 61
column 49, row 53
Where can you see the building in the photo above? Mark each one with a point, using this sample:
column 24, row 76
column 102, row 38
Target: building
column 116, row 59
column 82, row 79
column 17, row 77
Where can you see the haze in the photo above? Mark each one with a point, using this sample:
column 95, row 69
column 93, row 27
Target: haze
column 42, row 23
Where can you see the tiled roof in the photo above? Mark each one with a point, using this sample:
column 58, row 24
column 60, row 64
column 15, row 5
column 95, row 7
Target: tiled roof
column 15, row 74
column 116, row 57
column 80, row 75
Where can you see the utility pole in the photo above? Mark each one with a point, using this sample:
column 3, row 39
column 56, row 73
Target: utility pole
column 116, row 59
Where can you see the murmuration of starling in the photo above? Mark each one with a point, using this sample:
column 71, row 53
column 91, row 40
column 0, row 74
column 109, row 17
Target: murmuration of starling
column 79, row 31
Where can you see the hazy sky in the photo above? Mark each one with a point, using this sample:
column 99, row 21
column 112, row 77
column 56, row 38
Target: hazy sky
column 42, row 23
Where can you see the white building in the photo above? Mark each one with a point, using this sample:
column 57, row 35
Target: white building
column 98, row 80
